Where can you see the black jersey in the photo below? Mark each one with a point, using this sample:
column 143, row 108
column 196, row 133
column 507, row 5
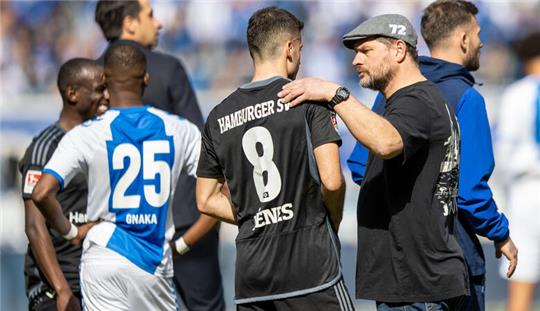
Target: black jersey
column 285, row 245
column 73, row 201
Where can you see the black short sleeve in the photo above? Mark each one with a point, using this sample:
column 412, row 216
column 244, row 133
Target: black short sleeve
column 322, row 123
column 30, row 173
column 411, row 117
column 209, row 165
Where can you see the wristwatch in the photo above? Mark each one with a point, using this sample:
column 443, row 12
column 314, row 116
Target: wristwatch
column 342, row 94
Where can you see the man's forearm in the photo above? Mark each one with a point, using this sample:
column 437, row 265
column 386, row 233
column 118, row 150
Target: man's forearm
column 213, row 199
column 44, row 196
column 221, row 208
column 42, row 248
column 199, row 229
column 372, row 130
column 334, row 204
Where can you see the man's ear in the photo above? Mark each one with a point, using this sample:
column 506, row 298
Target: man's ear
column 72, row 95
column 129, row 25
column 146, row 79
column 289, row 50
column 464, row 39
column 401, row 51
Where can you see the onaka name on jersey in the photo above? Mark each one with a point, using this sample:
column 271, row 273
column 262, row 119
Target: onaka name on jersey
column 273, row 215
column 250, row 113
column 138, row 219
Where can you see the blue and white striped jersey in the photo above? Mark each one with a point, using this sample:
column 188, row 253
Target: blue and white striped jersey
column 132, row 158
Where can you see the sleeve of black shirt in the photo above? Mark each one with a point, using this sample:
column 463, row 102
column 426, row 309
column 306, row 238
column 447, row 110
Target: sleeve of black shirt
column 322, row 123
column 30, row 172
column 209, row 165
column 411, row 117
column 183, row 99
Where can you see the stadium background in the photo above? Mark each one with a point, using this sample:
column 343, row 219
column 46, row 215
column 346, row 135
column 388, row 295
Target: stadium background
column 209, row 37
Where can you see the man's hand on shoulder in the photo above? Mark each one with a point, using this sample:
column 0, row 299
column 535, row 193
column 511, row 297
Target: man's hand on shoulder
column 510, row 251
column 307, row 89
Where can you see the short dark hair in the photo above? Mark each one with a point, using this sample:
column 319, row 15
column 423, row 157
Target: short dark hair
column 126, row 61
column 110, row 16
column 442, row 17
column 265, row 28
column 528, row 47
column 73, row 72
column 411, row 50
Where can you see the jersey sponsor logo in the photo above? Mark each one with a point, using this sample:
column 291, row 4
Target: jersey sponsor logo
column 273, row 215
column 77, row 218
column 141, row 219
column 30, row 180
column 250, row 113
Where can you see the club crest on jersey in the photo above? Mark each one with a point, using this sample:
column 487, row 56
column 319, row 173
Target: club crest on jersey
column 30, row 180
column 273, row 215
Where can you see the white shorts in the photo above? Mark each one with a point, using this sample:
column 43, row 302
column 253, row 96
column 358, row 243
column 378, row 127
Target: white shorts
column 524, row 217
column 109, row 281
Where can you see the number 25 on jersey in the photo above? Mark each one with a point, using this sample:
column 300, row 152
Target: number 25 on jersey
column 157, row 193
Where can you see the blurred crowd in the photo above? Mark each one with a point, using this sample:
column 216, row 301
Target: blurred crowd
column 209, row 36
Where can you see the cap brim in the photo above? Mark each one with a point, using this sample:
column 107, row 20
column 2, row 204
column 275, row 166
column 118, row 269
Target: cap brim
column 349, row 42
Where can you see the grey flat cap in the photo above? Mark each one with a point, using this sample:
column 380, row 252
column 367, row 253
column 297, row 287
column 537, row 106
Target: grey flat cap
column 388, row 25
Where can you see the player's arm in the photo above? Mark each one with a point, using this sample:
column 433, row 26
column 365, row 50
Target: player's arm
column 372, row 130
column 332, row 182
column 213, row 201
column 45, row 256
column 44, row 196
column 197, row 231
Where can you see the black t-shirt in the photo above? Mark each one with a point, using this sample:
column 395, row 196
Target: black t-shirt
column 73, row 201
column 264, row 150
column 407, row 209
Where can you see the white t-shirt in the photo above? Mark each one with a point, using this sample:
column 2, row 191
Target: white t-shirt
column 132, row 158
column 517, row 144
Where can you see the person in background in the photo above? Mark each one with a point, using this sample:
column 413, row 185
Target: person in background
column 197, row 274
column 518, row 148
column 51, row 266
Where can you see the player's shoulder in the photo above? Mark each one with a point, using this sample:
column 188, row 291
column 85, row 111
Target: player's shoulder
column 171, row 120
column 163, row 58
column 522, row 88
column 93, row 127
column 36, row 153
column 50, row 136
column 51, row 132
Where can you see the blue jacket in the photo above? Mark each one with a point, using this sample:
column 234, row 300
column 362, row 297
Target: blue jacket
column 478, row 212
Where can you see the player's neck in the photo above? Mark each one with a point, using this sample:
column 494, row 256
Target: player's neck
column 407, row 75
column 267, row 70
column 69, row 119
column 125, row 99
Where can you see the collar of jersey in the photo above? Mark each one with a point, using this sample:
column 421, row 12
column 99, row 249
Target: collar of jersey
column 131, row 109
column 260, row 83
